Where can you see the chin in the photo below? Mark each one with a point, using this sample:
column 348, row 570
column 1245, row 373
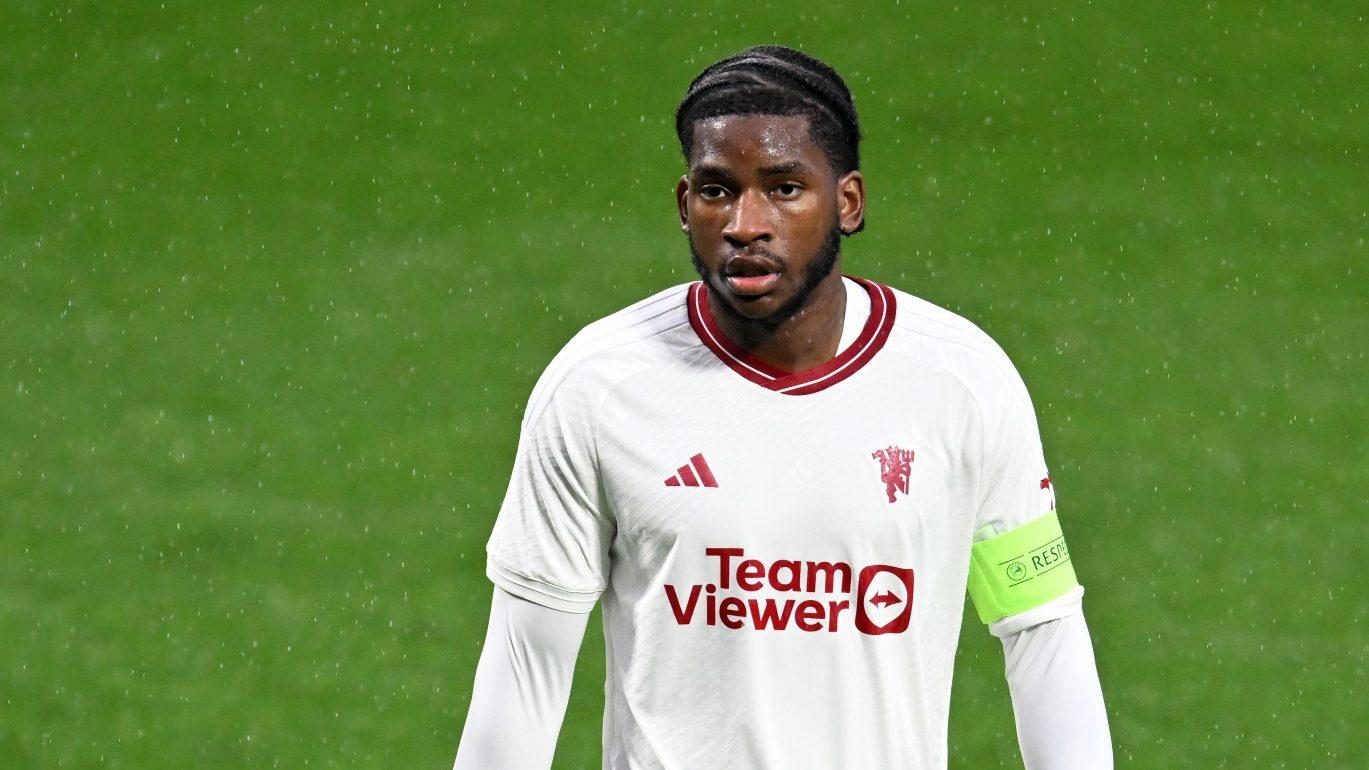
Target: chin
column 752, row 308
column 755, row 308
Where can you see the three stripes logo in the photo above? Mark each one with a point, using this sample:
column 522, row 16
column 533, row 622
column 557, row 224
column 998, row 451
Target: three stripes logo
column 695, row 473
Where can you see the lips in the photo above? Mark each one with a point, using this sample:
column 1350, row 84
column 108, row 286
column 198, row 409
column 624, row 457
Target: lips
column 750, row 275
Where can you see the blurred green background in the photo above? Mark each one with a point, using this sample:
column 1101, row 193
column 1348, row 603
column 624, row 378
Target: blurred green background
column 276, row 280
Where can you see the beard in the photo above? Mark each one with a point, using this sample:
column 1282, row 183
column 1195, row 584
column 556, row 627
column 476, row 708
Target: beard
column 819, row 267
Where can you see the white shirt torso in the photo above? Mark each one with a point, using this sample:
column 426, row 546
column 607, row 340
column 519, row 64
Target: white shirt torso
column 781, row 558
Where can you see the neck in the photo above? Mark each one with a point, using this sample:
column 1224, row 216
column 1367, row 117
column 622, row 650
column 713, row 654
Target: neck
column 804, row 340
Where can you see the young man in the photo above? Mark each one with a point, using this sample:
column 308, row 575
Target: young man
column 778, row 480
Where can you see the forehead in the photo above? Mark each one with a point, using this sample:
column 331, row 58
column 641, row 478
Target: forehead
column 754, row 140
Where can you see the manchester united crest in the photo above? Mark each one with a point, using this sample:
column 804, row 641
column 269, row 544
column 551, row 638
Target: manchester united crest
column 895, row 465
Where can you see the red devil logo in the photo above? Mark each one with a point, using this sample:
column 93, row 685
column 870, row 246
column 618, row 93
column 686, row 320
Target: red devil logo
column 895, row 465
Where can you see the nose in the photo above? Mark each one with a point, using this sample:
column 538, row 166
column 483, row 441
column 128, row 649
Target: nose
column 749, row 221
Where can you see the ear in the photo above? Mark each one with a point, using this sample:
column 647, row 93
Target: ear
column 681, row 200
column 851, row 202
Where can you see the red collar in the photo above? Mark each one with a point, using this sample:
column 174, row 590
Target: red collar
column 871, row 338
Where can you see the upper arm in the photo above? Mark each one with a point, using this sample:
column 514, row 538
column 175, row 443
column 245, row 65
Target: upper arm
column 1021, row 571
column 550, row 541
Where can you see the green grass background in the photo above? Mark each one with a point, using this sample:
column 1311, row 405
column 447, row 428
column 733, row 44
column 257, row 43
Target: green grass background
column 276, row 280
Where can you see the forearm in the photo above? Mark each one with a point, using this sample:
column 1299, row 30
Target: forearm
column 521, row 687
column 1062, row 722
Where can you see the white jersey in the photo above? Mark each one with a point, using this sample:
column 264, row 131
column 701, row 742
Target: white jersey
column 781, row 557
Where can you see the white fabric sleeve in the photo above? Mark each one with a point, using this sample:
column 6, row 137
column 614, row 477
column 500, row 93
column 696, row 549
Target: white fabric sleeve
column 1062, row 723
column 521, row 687
column 550, row 542
column 1015, row 486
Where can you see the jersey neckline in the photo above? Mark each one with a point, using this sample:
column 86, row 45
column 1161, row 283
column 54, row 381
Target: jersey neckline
column 847, row 362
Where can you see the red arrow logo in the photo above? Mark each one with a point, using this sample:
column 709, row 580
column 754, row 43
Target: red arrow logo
column 885, row 599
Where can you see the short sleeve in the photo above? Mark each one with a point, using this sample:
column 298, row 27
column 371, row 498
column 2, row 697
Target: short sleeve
column 1015, row 486
column 1021, row 570
column 551, row 539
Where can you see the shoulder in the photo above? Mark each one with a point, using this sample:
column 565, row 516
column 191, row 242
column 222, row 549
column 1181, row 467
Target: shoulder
column 941, row 338
column 641, row 335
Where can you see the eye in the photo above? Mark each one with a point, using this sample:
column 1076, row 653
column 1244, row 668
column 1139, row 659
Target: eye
column 788, row 190
column 711, row 192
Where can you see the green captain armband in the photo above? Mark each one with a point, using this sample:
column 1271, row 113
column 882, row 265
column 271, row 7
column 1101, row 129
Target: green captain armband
column 1021, row 569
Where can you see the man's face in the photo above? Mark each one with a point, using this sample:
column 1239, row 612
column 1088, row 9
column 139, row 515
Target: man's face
column 764, row 212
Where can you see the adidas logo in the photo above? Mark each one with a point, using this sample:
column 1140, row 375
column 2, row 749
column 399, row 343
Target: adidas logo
column 695, row 474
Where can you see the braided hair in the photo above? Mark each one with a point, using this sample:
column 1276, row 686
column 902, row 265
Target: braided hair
column 774, row 80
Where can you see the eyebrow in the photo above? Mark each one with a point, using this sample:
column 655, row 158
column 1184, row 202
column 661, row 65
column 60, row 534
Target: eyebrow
column 776, row 170
column 783, row 168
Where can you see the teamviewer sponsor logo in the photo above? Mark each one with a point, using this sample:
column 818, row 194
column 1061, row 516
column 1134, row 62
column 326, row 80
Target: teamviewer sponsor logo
column 886, row 599
column 786, row 594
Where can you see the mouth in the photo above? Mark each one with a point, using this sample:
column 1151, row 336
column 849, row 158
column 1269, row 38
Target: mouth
column 750, row 275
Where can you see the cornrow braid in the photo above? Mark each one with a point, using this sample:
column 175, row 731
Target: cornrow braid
column 774, row 80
